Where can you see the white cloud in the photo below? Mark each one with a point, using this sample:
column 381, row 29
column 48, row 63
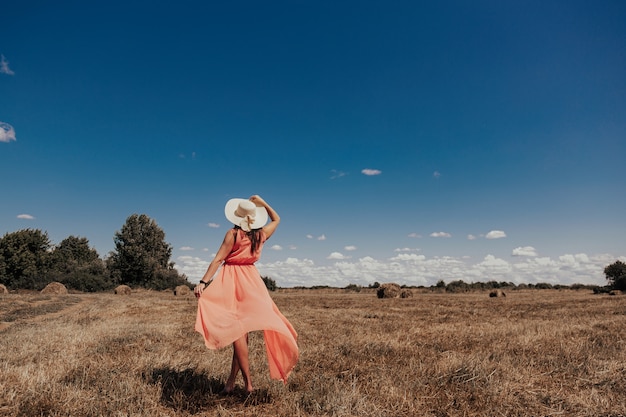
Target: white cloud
column 492, row 265
column 276, row 247
column 440, row 234
column 213, row 225
column 408, row 257
column 350, row 247
column 406, row 250
column 524, row 251
column 322, row 237
column 370, row 172
column 4, row 66
column 193, row 267
column 25, row 217
column 414, row 235
column 186, row 248
column 471, row 237
column 7, row 133
column 336, row 174
column 436, row 174
column 293, row 247
column 416, row 269
column 495, row 234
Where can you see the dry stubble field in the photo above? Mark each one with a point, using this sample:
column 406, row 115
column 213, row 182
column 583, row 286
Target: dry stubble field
column 534, row 353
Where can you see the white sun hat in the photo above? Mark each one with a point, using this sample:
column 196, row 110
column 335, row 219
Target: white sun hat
column 245, row 214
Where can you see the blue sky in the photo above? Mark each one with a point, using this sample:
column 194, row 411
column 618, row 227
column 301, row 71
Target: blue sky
column 399, row 141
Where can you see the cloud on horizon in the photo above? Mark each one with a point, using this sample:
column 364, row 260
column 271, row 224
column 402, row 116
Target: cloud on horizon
column 416, row 269
column 524, row 251
column 25, row 217
column 7, row 133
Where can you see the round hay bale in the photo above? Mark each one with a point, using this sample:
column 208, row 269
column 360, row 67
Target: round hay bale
column 182, row 290
column 54, row 288
column 389, row 290
column 615, row 292
column 3, row 289
column 497, row 293
column 406, row 293
column 123, row 290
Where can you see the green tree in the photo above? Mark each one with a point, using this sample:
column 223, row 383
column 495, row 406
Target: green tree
column 79, row 266
column 142, row 257
column 24, row 259
column 270, row 284
column 616, row 275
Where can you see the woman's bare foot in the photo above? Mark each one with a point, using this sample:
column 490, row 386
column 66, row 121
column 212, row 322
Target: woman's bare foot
column 229, row 387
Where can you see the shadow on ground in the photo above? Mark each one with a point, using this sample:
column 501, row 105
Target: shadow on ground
column 193, row 392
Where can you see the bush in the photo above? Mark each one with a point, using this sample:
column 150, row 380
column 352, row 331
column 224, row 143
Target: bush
column 543, row 286
column 457, row 286
column 167, row 278
column 270, row 284
column 353, row 287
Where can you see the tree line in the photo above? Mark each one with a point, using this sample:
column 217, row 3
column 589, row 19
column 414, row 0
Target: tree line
column 141, row 258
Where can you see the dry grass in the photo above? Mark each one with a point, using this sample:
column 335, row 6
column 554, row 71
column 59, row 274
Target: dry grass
column 534, row 353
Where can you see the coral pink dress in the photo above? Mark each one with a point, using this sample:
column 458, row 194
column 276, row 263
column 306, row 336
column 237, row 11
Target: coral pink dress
column 237, row 302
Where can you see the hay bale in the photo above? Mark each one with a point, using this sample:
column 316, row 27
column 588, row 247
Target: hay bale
column 3, row 289
column 389, row 290
column 497, row 293
column 406, row 293
column 182, row 290
column 123, row 290
column 615, row 292
column 54, row 288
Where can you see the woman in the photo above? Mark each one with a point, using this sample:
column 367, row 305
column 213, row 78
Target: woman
column 238, row 302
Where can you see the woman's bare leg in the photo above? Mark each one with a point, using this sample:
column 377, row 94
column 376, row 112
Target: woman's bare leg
column 240, row 348
column 234, row 370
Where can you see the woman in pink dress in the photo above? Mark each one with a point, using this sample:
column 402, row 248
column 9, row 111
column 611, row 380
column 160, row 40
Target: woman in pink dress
column 238, row 302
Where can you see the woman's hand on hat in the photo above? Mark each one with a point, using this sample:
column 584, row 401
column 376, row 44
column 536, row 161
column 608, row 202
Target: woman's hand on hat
column 258, row 200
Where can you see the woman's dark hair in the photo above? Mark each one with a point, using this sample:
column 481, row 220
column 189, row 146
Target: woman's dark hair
column 255, row 237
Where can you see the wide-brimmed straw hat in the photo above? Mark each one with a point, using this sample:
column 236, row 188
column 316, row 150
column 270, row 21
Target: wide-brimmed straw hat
column 245, row 214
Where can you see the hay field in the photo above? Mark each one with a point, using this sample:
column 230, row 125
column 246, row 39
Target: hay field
column 533, row 353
